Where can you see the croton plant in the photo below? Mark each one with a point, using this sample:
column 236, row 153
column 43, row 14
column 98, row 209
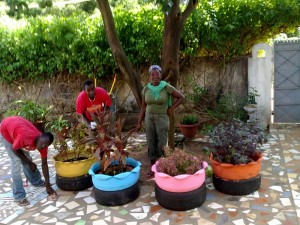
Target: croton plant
column 110, row 143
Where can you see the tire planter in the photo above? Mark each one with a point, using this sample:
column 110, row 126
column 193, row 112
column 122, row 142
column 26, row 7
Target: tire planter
column 236, row 172
column 117, row 198
column 179, row 183
column 74, row 168
column 74, row 183
column 119, row 189
column 237, row 187
column 181, row 192
column 73, row 176
column 241, row 179
column 181, row 201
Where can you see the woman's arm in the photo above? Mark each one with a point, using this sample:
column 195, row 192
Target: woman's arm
column 179, row 99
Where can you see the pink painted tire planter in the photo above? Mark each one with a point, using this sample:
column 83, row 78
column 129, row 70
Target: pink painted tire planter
column 179, row 183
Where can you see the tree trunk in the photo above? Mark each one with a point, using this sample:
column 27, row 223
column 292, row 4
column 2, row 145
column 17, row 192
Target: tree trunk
column 173, row 25
column 131, row 76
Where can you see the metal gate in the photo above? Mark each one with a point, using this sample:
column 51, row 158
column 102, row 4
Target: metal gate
column 287, row 82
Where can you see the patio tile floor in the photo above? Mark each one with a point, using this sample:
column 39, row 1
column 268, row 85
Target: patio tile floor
column 276, row 202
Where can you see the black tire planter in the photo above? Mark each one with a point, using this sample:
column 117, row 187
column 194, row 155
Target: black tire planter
column 117, row 198
column 74, row 183
column 181, row 201
column 237, row 187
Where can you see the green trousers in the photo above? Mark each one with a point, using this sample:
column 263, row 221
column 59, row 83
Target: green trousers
column 157, row 126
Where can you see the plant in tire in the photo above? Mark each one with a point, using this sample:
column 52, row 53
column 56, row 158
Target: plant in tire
column 109, row 143
column 115, row 176
column 180, row 180
column 236, row 157
column 236, row 142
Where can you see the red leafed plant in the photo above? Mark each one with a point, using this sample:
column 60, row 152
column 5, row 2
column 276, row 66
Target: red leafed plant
column 110, row 143
column 178, row 162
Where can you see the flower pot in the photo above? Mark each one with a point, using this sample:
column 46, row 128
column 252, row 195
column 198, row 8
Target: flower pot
column 74, row 168
column 181, row 192
column 119, row 189
column 236, row 172
column 179, row 183
column 189, row 131
column 118, row 182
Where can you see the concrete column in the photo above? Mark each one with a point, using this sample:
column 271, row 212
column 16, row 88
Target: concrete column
column 260, row 70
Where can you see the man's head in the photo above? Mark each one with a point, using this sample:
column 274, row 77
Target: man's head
column 44, row 140
column 89, row 89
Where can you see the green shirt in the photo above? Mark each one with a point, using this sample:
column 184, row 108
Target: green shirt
column 161, row 104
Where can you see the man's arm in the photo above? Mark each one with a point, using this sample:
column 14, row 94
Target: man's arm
column 23, row 157
column 45, row 169
column 83, row 119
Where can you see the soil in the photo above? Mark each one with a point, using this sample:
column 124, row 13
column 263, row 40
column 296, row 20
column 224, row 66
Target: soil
column 192, row 146
column 75, row 159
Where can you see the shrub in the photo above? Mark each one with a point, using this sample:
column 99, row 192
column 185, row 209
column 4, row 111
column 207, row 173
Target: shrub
column 236, row 142
column 179, row 162
column 189, row 119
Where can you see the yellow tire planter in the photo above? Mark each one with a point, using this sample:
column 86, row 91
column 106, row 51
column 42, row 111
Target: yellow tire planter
column 74, row 168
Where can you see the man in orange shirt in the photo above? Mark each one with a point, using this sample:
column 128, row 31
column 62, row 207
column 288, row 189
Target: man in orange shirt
column 19, row 136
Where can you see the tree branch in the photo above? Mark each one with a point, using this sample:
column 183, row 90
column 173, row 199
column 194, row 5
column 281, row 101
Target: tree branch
column 188, row 10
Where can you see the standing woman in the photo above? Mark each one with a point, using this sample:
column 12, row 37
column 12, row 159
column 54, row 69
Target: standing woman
column 156, row 107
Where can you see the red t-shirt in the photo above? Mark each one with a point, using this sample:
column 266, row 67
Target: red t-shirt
column 84, row 104
column 21, row 134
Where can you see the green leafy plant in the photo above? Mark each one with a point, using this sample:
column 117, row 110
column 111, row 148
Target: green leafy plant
column 236, row 142
column 188, row 119
column 30, row 110
column 252, row 96
column 57, row 124
column 228, row 107
column 70, row 149
column 179, row 162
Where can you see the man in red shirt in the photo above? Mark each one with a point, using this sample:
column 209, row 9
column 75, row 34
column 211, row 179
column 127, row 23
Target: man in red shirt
column 19, row 136
column 90, row 100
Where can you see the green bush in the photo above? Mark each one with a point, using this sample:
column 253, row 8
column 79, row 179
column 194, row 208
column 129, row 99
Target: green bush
column 188, row 119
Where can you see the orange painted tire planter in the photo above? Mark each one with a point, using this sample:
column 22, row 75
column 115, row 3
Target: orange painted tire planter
column 236, row 172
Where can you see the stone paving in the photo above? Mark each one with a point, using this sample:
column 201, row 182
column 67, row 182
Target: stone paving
column 276, row 202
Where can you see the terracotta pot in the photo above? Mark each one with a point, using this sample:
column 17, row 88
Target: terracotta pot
column 236, row 172
column 179, row 183
column 189, row 131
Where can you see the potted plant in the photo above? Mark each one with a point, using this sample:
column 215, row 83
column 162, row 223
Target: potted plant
column 179, row 180
column 59, row 126
column 251, row 104
column 36, row 113
column 115, row 176
column 188, row 125
column 235, row 157
column 73, row 160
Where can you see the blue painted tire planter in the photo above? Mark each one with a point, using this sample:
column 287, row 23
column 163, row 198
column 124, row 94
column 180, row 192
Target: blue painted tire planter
column 118, row 182
column 117, row 198
column 112, row 190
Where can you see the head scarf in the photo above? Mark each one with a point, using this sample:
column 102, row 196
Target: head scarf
column 154, row 67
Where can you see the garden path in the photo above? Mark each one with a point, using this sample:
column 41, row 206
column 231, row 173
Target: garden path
column 276, row 202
